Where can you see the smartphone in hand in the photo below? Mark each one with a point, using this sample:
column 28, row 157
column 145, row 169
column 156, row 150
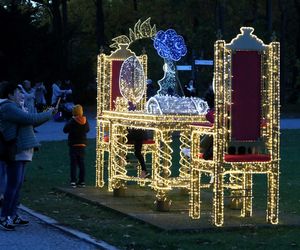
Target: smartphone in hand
column 57, row 104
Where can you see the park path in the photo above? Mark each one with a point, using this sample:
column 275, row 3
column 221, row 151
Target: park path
column 44, row 233
column 53, row 131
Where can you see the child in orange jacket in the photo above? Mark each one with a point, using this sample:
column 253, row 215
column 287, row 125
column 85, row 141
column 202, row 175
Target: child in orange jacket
column 77, row 128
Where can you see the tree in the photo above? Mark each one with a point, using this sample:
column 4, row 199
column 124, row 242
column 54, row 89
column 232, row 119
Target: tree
column 269, row 17
column 100, row 24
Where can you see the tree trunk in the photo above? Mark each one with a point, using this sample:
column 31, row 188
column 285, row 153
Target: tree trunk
column 135, row 8
column 296, row 69
column 100, row 24
column 269, row 18
column 220, row 8
column 283, row 19
column 65, row 53
column 57, row 32
column 254, row 9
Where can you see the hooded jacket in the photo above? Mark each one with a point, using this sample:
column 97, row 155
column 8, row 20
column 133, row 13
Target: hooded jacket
column 16, row 123
column 77, row 127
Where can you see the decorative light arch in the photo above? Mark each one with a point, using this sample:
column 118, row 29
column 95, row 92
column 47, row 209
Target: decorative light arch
column 140, row 31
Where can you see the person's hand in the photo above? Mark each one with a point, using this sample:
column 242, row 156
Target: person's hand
column 53, row 110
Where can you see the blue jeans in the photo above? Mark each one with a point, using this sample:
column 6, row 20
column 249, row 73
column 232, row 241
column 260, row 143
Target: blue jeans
column 2, row 177
column 15, row 178
column 77, row 160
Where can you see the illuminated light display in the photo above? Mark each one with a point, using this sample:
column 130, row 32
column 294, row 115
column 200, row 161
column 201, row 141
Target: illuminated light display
column 107, row 94
column 171, row 48
column 162, row 126
column 113, row 119
column 167, row 85
column 140, row 31
column 240, row 171
column 132, row 80
column 165, row 104
column 169, row 45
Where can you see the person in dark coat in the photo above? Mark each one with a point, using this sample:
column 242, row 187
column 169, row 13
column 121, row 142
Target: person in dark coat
column 77, row 128
column 206, row 143
column 17, row 129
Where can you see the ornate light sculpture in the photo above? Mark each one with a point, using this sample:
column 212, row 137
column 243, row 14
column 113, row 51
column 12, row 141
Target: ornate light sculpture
column 165, row 104
column 259, row 160
column 132, row 80
column 113, row 117
column 171, row 48
column 108, row 66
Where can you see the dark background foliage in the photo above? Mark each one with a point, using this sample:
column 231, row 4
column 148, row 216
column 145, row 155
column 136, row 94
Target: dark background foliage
column 59, row 39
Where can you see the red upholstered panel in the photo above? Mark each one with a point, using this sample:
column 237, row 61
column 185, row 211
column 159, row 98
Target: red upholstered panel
column 115, row 91
column 246, row 96
column 202, row 124
column 149, row 141
column 210, row 116
column 245, row 158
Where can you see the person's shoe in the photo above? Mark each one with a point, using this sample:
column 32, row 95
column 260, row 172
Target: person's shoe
column 81, row 184
column 73, row 184
column 18, row 221
column 144, row 174
column 7, row 224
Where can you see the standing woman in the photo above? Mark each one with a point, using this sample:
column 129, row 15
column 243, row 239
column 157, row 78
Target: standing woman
column 17, row 129
column 29, row 96
column 40, row 100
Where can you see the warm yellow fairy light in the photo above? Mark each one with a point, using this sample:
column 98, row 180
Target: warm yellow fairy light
column 140, row 31
column 162, row 126
column 240, row 173
column 104, row 93
column 114, row 124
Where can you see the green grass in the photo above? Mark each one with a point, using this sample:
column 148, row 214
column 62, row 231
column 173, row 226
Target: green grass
column 50, row 169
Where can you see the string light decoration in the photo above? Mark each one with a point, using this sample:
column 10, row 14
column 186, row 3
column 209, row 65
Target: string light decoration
column 165, row 104
column 264, row 160
column 162, row 126
column 171, row 48
column 107, row 96
column 132, row 80
column 113, row 119
column 140, row 31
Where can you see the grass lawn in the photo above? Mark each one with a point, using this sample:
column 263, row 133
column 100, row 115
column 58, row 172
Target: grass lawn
column 50, row 169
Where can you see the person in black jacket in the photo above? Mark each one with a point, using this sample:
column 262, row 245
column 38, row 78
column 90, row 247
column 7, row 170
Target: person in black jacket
column 77, row 128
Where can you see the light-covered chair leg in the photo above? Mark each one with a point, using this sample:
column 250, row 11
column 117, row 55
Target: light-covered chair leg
column 195, row 203
column 273, row 197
